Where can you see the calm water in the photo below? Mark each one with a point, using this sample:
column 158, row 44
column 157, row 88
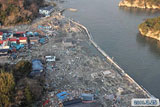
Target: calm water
column 115, row 30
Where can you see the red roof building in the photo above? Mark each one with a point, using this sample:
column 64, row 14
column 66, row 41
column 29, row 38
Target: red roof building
column 1, row 33
column 12, row 39
column 1, row 41
column 20, row 32
column 23, row 40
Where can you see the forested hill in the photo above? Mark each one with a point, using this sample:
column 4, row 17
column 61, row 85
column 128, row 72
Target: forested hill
column 18, row 11
column 149, row 4
column 151, row 28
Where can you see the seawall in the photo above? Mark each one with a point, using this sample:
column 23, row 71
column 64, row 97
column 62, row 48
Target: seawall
column 109, row 59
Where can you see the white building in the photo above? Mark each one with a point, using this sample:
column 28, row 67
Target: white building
column 46, row 10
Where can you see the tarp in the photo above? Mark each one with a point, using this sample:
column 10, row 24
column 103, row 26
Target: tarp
column 42, row 40
column 29, row 33
column 17, row 46
column 36, row 34
column 63, row 95
column 37, row 65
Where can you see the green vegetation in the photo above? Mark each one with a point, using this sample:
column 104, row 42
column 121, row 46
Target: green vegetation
column 16, row 88
column 28, row 96
column 22, row 69
column 143, row 2
column 153, row 2
column 6, row 88
column 150, row 25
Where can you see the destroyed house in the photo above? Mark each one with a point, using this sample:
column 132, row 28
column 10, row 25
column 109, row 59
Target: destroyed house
column 68, row 42
column 87, row 97
column 46, row 10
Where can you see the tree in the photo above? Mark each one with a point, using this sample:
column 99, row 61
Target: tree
column 28, row 96
column 22, row 69
column 6, row 86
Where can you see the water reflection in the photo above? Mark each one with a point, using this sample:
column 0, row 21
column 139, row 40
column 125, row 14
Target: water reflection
column 154, row 45
column 139, row 11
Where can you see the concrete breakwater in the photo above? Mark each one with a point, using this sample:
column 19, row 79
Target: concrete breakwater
column 110, row 60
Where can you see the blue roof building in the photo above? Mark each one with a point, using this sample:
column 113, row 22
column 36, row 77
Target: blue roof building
column 37, row 67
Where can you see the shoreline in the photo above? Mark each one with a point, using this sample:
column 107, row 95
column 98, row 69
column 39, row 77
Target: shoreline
column 150, row 34
column 138, row 4
column 111, row 61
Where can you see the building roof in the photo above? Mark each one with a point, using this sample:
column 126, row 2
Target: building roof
column 20, row 32
column 47, row 8
column 4, row 50
column 22, row 38
column 12, row 39
column 1, row 33
column 62, row 95
column 1, row 41
column 37, row 65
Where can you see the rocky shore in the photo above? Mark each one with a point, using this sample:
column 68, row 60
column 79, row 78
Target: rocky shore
column 151, row 34
column 150, row 28
column 144, row 4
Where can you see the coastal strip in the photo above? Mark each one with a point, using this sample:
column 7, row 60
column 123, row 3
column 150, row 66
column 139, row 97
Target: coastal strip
column 122, row 72
column 143, row 4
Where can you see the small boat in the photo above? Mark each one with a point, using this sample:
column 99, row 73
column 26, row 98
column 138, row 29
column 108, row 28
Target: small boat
column 72, row 10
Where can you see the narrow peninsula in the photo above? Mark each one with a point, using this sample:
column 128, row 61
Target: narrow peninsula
column 145, row 4
column 150, row 28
